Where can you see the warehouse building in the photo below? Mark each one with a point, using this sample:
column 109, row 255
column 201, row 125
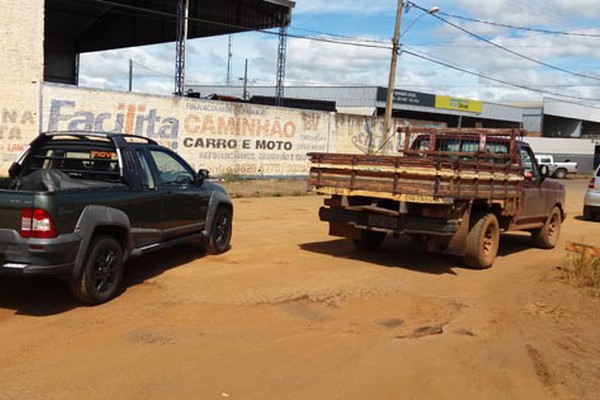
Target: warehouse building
column 371, row 100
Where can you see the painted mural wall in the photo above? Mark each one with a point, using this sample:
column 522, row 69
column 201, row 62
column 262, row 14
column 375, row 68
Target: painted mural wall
column 227, row 138
column 224, row 137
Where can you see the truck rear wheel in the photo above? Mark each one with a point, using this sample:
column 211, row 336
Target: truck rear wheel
column 102, row 272
column 369, row 240
column 560, row 173
column 588, row 213
column 482, row 242
column 547, row 236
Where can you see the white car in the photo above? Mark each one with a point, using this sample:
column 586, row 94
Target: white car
column 591, row 202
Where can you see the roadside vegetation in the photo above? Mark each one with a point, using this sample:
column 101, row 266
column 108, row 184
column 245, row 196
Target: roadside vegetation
column 580, row 272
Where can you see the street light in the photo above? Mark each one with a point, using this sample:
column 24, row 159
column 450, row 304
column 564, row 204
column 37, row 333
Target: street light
column 387, row 125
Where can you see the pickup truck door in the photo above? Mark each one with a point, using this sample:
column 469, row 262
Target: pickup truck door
column 536, row 198
column 185, row 204
column 145, row 207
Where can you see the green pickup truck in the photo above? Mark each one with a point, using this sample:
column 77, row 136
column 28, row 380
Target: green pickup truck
column 79, row 204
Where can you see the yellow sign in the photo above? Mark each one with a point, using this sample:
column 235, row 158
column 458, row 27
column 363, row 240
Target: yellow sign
column 453, row 103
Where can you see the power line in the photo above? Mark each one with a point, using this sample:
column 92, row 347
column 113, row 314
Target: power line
column 541, row 8
column 522, row 28
column 377, row 46
column 335, row 35
column 504, row 82
column 167, row 75
column 526, row 57
column 170, row 76
column 241, row 27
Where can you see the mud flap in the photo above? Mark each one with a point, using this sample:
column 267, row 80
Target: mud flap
column 342, row 229
column 456, row 246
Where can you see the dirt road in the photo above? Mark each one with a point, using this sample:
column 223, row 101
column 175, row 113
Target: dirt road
column 291, row 313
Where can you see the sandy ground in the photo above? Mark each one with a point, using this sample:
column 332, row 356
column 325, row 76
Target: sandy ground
column 291, row 313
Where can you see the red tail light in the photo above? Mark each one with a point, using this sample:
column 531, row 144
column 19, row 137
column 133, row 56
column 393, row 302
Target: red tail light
column 592, row 183
column 36, row 223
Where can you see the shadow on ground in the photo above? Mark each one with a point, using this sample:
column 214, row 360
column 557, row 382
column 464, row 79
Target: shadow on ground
column 396, row 253
column 580, row 218
column 43, row 296
column 403, row 253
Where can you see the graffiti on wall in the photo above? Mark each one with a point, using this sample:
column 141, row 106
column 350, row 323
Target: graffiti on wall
column 227, row 138
column 13, row 125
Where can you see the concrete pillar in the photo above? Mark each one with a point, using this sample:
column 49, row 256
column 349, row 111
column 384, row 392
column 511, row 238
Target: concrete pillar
column 22, row 66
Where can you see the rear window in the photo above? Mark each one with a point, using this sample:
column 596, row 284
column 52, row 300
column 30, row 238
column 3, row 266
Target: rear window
column 78, row 163
column 462, row 145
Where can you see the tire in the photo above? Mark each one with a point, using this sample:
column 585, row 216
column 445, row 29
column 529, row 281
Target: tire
column 370, row 240
column 547, row 236
column 588, row 213
column 560, row 173
column 102, row 273
column 220, row 234
column 482, row 241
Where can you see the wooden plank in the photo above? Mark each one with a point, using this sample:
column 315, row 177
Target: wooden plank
column 588, row 252
column 583, row 248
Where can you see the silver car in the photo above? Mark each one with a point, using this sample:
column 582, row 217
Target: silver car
column 591, row 203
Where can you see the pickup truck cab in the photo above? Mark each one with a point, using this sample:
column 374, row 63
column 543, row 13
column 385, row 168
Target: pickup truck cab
column 557, row 169
column 451, row 190
column 79, row 204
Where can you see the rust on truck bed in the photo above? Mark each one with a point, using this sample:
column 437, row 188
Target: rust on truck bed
column 436, row 166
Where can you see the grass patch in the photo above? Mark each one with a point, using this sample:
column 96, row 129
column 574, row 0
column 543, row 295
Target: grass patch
column 578, row 272
column 230, row 177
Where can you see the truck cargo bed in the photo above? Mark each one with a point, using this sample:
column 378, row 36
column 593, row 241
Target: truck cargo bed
column 428, row 176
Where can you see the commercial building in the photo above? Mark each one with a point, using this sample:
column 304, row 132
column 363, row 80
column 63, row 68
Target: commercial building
column 370, row 100
column 549, row 119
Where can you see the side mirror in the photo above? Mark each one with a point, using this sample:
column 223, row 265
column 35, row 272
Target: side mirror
column 544, row 171
column 201, row 176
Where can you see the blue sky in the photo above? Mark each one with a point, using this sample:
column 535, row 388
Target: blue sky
column 371, row 23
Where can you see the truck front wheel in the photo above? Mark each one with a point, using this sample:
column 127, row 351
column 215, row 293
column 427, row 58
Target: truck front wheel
column 369, row 240
column 220, row 233
column 102, row 273
column 482, row 242
column 547, row 236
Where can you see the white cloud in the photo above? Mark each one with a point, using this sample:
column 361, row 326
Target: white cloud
column 317, row 63
column 343, row 6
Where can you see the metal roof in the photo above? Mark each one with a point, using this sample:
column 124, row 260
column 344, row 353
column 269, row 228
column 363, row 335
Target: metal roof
column 565, row 109
column 363, row 96
column 93, row 25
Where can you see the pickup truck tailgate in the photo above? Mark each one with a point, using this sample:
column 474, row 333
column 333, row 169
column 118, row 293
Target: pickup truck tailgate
column 11, row 203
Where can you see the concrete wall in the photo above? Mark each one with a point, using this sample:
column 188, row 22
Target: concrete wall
column 225, row 137
column 21, row 71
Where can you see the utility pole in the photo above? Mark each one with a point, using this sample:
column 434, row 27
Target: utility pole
column 245, row 94
column 130, row 75
column 387, row 124
column 182, row 32
column 281, row 59
column 229, row 55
